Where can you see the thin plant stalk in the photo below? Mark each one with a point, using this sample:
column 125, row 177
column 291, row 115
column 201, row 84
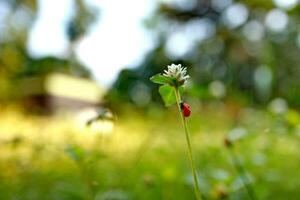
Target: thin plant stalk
column 190, row 152
column 242, row 173
column 85, row 178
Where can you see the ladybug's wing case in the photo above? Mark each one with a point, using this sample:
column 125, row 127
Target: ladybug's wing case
column 185, row 108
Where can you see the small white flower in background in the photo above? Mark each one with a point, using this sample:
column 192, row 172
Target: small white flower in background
column 278, row 106
column 177, row 72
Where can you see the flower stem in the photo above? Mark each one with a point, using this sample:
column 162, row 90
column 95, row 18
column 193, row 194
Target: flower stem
column 190, row 152
column 243, row 175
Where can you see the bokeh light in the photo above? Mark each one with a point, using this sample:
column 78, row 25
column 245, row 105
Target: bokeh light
column 235, row 15
column 286, row 4
column 276, row 20
column 254, row 31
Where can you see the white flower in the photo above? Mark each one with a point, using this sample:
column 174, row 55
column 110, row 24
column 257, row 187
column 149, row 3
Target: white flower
column 177, row 72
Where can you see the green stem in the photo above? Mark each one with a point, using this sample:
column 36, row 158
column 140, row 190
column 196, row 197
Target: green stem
column 190, row 152
column 242, row 173
column 85, row 179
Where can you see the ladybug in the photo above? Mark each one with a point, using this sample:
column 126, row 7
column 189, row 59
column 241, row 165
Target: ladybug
column 185, row 109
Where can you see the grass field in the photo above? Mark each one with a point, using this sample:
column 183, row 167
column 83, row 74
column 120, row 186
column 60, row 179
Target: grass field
column 145, row 155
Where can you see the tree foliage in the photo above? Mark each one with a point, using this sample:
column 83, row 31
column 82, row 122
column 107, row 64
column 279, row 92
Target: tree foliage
column 259, row 67
column 15, row 61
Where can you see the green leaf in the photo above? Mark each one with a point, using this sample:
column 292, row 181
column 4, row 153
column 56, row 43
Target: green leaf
column 167, row 94
column 160, row 79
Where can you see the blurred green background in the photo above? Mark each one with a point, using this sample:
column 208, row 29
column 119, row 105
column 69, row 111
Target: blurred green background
column 83, row 122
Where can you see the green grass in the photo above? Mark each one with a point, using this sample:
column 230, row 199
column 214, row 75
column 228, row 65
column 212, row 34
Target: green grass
column 145, row 157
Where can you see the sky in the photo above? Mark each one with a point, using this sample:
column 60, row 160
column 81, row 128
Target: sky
column 116, row 40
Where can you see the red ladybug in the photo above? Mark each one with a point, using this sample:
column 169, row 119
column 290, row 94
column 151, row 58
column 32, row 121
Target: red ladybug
column 185, row 109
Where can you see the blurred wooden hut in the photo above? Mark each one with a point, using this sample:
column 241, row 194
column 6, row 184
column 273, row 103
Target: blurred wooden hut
column 55, row 92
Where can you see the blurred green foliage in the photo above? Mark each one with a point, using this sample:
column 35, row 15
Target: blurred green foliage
column 249, row 58
column 146, row 156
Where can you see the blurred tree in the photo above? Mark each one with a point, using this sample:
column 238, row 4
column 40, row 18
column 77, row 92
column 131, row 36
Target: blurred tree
column 82, row 19
column 16, row 20
column 250, row 47
column 79, row 24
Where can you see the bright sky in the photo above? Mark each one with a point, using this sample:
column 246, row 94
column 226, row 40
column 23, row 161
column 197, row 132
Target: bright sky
column 117, row 40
